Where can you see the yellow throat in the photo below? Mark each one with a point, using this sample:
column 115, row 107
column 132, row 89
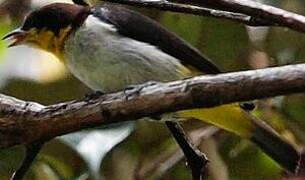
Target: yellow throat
column 48, row 41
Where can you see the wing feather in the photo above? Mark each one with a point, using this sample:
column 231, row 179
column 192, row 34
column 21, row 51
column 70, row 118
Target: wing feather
column 136, row 26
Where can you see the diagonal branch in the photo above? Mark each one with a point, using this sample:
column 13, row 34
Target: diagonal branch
column 245, row 11
column 158, row 167
column 26, row 122
column 257, row 10
column 196, row 10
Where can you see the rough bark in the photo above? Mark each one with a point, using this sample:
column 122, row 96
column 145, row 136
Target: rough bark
column 24, row 122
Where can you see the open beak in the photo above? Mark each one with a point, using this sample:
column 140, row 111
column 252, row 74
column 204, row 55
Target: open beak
column 16, row 37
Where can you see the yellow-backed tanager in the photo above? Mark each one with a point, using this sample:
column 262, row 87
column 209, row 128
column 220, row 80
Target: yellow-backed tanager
column 109, row 47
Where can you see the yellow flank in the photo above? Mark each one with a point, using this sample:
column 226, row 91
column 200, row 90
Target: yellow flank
column 47, row 40
column 184, row 72
column 229, row 117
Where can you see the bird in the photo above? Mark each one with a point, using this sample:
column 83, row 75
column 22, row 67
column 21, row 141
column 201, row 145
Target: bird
column 109, row 47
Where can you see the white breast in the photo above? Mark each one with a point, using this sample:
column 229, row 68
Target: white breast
column 107, row 61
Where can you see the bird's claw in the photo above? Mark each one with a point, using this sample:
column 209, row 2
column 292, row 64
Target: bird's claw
column 134, row 90
column 93, row 95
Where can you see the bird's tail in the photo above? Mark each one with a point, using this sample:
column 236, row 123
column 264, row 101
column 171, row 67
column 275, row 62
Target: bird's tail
column 234, row 119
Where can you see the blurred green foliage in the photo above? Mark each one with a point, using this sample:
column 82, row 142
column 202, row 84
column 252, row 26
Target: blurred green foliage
column 4, row 28
column 231, row 47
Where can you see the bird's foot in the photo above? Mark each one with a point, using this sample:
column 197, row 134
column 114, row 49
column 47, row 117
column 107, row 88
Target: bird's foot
column 135, row 90
column 93, row 95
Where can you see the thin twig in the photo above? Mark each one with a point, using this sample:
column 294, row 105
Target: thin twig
column 245, row 11
column 195, row 159
column 195, row 10
column 31, row 152
column 160, row 165
column 256, row 10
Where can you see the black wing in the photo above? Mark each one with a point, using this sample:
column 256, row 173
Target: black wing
column 136, row 26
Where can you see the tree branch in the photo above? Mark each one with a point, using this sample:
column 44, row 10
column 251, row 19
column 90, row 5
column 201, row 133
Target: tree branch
column 195, row 10
column 26, row 122
column 245, row 11
column 257, row 10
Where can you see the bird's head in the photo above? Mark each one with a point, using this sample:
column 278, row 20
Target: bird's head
column 48, row 27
